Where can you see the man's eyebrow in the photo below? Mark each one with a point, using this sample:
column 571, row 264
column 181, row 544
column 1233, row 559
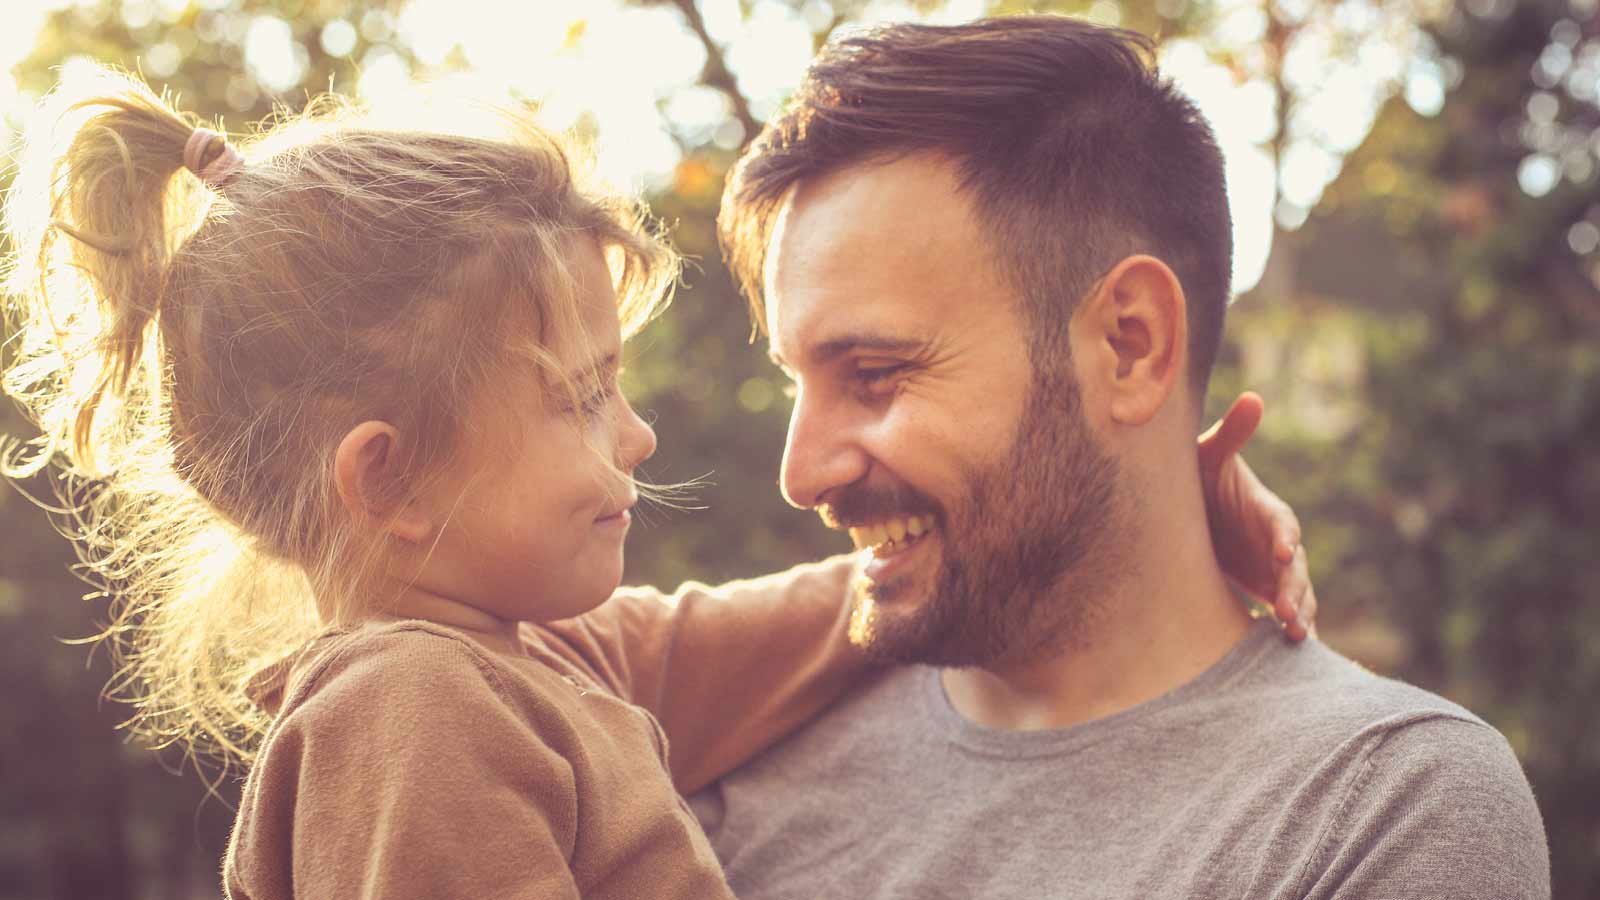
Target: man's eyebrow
column 833, row 348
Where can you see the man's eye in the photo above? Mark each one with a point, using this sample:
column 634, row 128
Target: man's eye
column 871, row 375
column 876, row 384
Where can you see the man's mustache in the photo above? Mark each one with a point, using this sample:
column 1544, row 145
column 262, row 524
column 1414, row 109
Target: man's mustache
column 848, row 507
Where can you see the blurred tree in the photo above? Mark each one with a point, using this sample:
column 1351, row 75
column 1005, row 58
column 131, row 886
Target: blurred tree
column 1436, row 325
column 236, row 59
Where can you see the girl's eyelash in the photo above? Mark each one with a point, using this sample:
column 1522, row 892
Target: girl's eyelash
column 598, row 400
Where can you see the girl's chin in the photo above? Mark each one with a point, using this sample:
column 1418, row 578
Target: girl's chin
column 584, row 589
column 600, row 590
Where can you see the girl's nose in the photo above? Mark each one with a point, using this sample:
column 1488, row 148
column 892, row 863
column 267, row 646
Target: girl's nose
column 636, row 441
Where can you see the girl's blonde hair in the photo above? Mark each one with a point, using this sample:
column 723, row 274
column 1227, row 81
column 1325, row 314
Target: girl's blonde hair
column 193, row 356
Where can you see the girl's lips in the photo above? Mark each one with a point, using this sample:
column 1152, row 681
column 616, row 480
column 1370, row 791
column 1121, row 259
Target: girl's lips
column 622, row 516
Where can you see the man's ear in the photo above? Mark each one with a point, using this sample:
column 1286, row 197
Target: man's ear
column 367, row 472
column 1136, row 327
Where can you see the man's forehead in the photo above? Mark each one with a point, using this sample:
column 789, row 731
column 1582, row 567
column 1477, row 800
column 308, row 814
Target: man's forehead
column 873, row 256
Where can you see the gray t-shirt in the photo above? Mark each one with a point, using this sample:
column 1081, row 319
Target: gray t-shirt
column 1280, row 772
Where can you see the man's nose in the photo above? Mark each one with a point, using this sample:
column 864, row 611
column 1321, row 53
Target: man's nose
column 821, row 453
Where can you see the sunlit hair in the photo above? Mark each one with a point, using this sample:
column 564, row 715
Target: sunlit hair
column 193, row 359
column 1074, row 150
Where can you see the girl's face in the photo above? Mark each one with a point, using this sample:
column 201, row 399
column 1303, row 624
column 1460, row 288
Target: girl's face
column 542, row 495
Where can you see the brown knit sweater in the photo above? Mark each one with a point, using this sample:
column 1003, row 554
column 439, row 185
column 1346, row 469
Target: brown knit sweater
column 409, row 759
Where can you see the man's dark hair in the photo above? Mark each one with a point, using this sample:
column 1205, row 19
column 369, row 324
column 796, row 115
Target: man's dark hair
column 1074, row 149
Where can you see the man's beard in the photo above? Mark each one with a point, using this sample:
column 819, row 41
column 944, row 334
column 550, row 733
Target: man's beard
column 1023, row 553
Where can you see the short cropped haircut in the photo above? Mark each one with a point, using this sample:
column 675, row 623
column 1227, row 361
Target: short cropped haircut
column 1073, row 148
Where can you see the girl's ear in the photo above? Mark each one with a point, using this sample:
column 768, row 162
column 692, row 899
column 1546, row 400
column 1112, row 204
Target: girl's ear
column 367, row 474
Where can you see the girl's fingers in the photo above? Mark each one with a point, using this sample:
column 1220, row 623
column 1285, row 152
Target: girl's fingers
column 1308, row 609
column 1286, row 535
column 1295, row 604
column 1231, row 432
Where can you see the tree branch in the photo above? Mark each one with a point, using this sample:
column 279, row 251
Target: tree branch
column 716, row 73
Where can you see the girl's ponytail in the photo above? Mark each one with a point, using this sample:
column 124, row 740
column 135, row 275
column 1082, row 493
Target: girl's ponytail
column 94, row 242
column 96, row 215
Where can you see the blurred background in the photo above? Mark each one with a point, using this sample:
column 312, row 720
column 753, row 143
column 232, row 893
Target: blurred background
column 1417, row 206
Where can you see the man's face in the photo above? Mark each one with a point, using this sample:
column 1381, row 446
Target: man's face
column 920, row 424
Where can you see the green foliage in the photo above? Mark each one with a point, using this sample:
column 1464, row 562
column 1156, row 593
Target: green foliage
column 1448, row 474
column 201, row 55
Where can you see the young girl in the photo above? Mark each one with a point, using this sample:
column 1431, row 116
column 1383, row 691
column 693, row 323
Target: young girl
column 340, row 421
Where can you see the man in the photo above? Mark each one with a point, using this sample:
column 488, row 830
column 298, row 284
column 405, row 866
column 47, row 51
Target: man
column 995, row 260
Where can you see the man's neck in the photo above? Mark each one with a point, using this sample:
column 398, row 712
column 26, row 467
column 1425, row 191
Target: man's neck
column 1168, row 618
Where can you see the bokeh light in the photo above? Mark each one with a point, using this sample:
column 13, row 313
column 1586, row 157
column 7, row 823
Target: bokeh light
column 630, row 74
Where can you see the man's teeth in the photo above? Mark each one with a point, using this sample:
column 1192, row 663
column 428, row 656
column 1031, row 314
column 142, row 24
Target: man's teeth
column 892, row 533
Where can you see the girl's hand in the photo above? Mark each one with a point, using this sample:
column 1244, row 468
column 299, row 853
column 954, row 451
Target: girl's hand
column 1256, row 534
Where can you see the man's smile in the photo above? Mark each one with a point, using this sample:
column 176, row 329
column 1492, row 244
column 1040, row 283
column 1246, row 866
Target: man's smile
column 891, row 535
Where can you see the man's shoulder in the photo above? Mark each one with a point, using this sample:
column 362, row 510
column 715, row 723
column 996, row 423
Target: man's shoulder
column 1318, row 687
column 1431, row 791
column 1408, row 726
column 1405, row 781
column 1299, row 708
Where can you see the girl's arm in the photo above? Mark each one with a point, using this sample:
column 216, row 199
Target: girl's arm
column 727, row 670
column 730, row 670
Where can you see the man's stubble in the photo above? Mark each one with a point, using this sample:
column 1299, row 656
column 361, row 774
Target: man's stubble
column 1025, row 552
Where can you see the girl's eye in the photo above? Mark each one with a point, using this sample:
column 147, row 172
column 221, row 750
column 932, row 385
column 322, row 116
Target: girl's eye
column 593, row 404
column 596, row 402
column 601, row 398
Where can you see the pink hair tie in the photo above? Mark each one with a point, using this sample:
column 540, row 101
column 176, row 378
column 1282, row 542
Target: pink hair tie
column 217, row 172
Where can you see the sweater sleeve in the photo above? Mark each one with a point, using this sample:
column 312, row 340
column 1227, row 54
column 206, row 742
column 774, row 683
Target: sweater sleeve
column 366, row 786
column 727, row 670
column 1440, row 808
